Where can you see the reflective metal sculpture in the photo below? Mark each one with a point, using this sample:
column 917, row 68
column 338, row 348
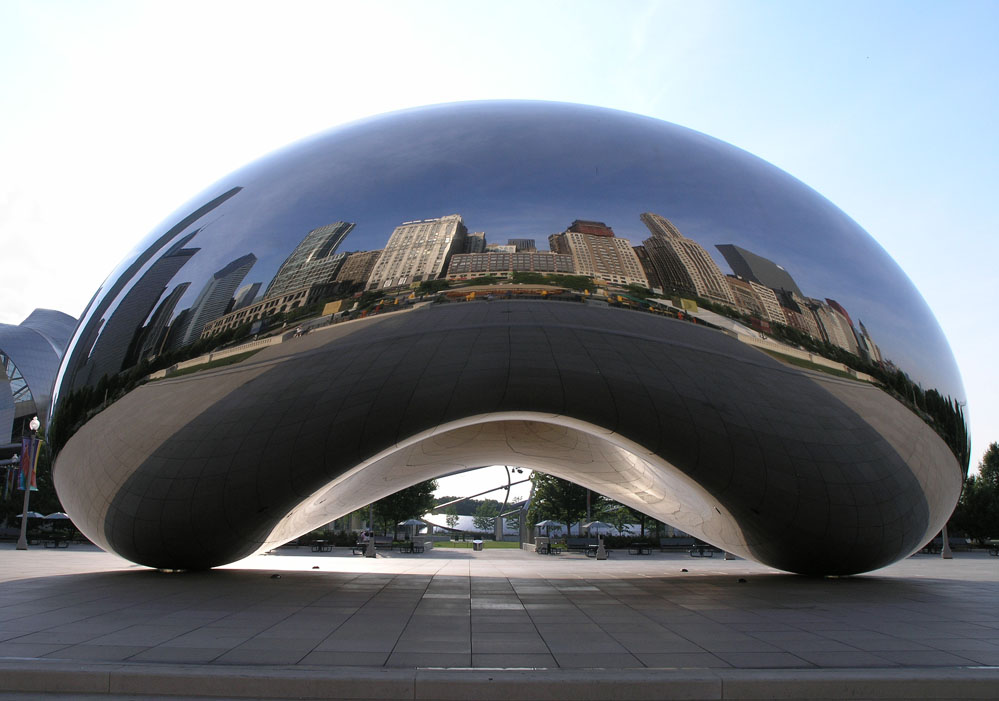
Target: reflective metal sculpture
column 608, row 298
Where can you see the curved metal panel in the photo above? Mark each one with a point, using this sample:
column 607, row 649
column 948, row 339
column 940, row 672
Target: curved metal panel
column 730, row 352
column 34, row 347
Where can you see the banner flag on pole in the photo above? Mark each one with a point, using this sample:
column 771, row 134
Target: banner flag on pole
column 8, row 483
column 29, row 464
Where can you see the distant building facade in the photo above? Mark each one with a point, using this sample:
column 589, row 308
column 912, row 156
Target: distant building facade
column 597, row 253
column 466, row 266
column 292, row 299
column 121, row 337
column 155, row 334
column 593, row 228
column 475, row 242
column 648, row 268
column 358, row 266
column 500, row 248
column 418, row 251
column 834, row 327
column 314, row 261
column 872, row 349
column 523, row 245
column 245, row 295
column 758, row 269
column 683, row 263
column 214, row 298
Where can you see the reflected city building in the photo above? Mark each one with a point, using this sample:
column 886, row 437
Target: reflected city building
column 706, row 340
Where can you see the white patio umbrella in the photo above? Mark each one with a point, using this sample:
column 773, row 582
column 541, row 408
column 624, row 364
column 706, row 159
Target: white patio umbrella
column 413, row 523
column 32, row 514
column 57, row 516
column 547, row 525
column 598, row 526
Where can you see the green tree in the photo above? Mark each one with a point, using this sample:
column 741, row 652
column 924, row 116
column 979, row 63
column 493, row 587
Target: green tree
column 513, row 520
column 451, row 517
column 430, row 286
column 616, row 514
column 977, row 513
column 411, row 502
column 557, row 499
column 485, row 515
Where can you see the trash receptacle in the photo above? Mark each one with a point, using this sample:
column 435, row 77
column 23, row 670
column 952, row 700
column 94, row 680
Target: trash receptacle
column 476, row 545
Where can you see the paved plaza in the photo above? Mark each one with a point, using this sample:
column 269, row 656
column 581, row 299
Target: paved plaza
column 492, row 624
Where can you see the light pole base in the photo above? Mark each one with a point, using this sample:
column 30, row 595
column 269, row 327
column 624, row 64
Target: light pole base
column 370, row 550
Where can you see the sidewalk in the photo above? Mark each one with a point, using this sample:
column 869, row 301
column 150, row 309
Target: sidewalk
column 301, row 624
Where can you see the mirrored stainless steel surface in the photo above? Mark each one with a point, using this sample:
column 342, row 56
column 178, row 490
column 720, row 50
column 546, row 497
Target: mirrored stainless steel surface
column 613, row 299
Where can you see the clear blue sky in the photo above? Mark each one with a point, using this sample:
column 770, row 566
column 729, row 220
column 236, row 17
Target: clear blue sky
column 114, row 113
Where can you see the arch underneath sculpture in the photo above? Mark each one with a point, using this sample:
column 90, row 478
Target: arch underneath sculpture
column 599, row 460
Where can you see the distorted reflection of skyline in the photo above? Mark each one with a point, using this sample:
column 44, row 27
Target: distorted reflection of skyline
column 530, row 169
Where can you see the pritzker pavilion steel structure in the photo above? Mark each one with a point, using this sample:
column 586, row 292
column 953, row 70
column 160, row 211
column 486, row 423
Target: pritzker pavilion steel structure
column 814, row 425
column 29, row 360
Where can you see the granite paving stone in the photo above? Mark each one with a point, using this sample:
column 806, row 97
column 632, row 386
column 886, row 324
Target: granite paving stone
column 496, row 609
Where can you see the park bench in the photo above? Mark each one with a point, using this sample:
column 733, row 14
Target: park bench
column 581, row 544
column 676, row 544
column 703, row 550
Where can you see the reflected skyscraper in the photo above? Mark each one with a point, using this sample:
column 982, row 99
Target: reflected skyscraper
column 683, row 263
column 873, row 352
column 475, row 242
column 214, row 298
column 598, row 253
column 472, row 265
column 245, row 296
column 758, row 269
column 358, row 266
column 835, row 327
column 93, row 319
column 648, row 268
column 120, row 338
column 523, row 245
column 314, row 261
column 417, row 251
column 746, row 298
column 154, row 334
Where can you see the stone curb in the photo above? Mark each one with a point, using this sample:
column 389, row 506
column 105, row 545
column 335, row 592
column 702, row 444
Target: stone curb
column 487, row 685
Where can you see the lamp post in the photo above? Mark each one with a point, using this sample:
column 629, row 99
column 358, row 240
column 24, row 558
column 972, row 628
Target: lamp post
column 498, row 525
column 32, row 460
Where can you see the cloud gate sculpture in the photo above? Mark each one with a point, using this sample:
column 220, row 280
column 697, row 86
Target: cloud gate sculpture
column 608, row 298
